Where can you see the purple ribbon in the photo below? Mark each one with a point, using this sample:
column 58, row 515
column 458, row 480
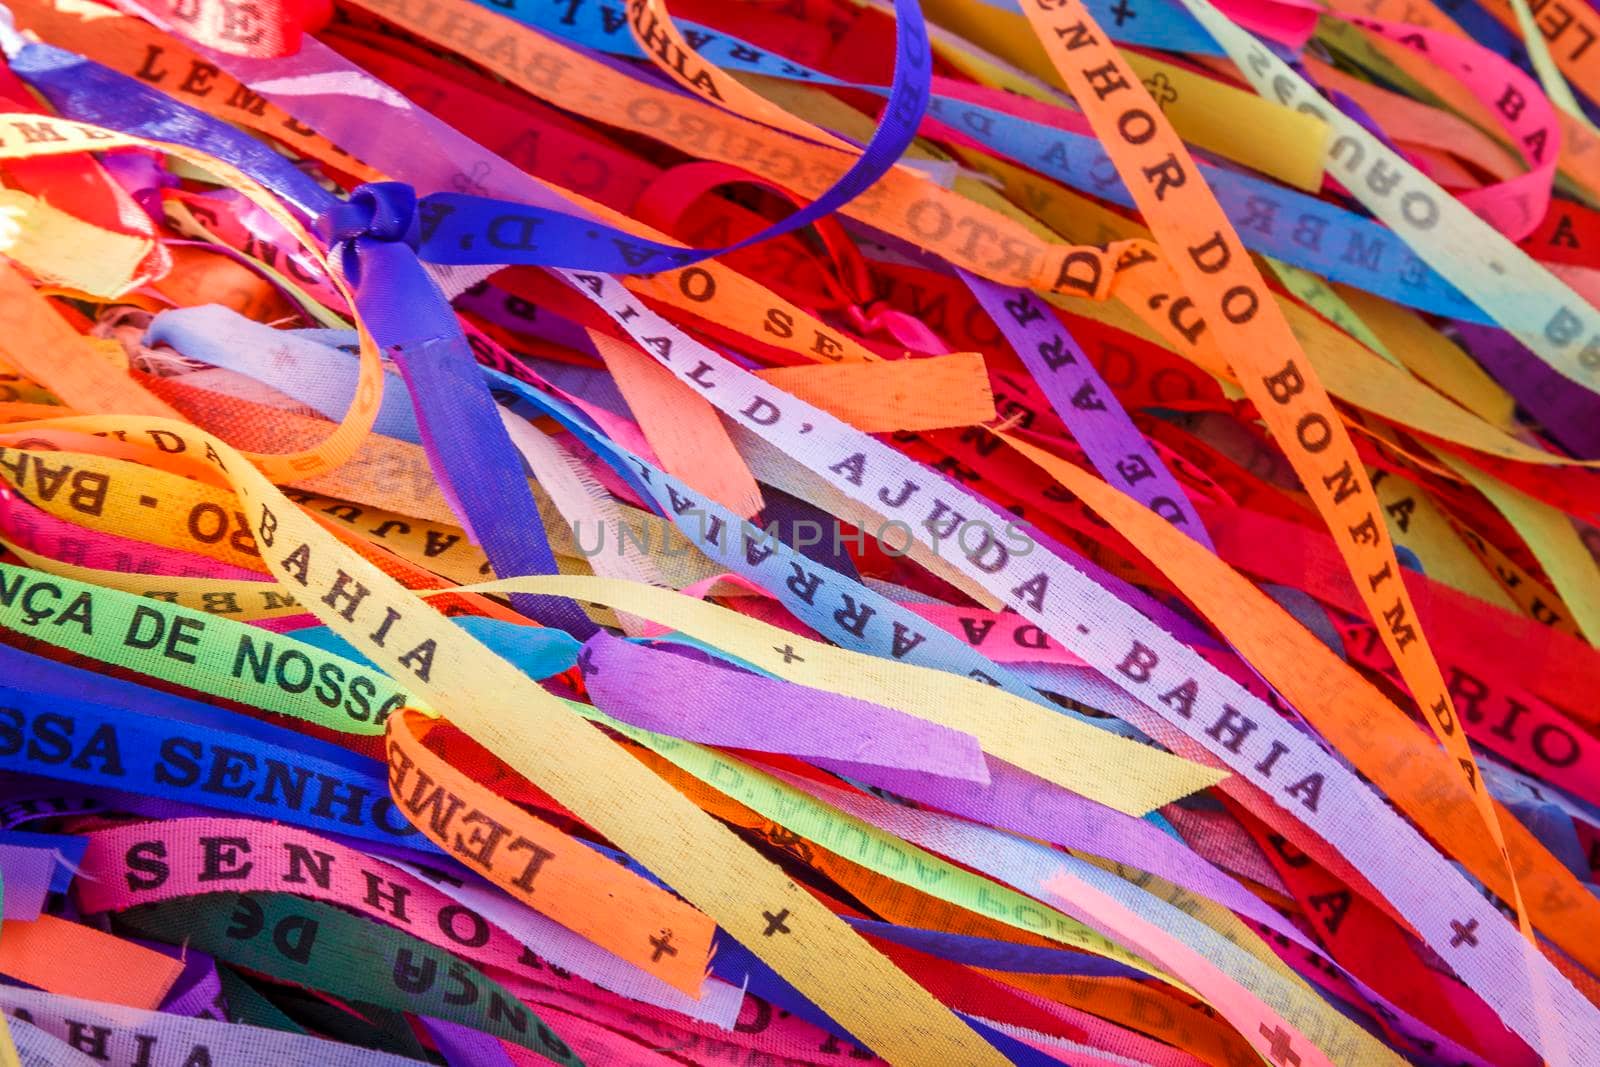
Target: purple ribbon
column 723, row 706
column 1086, row 403
column 1571, row 416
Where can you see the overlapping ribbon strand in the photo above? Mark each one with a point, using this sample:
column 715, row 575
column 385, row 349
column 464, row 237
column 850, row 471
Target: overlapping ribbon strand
column 425, row 663
column 408, row 318
column 463, row 218
column 1226, row 296
column 1010, row 637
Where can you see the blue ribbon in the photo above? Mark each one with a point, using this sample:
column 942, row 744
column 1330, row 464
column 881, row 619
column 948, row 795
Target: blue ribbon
column 293, row 361
column 538, row 652
column 84, row 90
column 735, row 963
column 107, row 732
column 994, row 955
column 374, row 236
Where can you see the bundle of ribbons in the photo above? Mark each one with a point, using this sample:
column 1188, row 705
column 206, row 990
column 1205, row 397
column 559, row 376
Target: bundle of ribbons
column 808, row 532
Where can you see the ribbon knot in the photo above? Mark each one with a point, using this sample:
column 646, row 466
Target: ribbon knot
column 382, row 211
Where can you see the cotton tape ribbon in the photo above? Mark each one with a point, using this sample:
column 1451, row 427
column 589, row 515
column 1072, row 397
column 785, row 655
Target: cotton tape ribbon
column 597, row 289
